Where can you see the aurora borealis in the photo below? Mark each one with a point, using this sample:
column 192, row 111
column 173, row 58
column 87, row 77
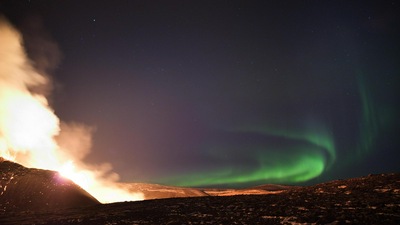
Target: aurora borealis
column 294, row 154
column 224, row 93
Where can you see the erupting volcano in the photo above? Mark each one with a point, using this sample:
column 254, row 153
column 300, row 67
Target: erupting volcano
column 130, row 99
column 218, row 112
column 30, row 132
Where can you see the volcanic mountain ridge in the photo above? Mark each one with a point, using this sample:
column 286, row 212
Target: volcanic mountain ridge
column 31, row 189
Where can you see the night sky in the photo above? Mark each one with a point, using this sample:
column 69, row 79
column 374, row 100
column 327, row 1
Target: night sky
column 224, row 93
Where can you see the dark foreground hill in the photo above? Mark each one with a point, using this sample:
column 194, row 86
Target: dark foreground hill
column 24, row 188
column 374, row 199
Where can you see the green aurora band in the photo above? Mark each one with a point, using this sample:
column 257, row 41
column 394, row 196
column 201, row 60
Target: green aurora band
column 369, row 124
column 289, row 164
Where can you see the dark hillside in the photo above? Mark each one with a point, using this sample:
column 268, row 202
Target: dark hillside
column 24, row 188
column 374, row 199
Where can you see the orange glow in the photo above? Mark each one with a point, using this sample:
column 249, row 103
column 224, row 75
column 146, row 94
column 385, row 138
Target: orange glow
column 32, row 135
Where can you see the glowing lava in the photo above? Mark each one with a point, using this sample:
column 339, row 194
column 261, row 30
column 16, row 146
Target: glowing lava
column 32, row 135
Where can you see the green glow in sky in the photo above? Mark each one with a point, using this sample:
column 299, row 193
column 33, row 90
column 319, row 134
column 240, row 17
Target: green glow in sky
column 306, row 151
column 286, row 164
column 369, row 124
column 317, row 136
column 285, row 169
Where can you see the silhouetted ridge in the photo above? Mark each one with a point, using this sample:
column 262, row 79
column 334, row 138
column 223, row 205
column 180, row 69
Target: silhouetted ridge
column 24, row 188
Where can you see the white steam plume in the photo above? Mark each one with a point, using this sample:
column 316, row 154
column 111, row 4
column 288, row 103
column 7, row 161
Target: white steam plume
column 32, row 135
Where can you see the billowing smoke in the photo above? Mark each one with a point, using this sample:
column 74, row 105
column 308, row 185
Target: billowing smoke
column 32, row 135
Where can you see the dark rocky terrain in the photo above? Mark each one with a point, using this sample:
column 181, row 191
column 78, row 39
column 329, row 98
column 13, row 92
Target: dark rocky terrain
column 374, row 199
column 24, row 188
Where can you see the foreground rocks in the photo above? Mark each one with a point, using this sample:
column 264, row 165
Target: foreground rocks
column 26, row 189
column 368, row 200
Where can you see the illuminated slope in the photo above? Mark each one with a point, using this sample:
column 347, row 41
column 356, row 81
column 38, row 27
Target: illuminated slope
column 34, row 189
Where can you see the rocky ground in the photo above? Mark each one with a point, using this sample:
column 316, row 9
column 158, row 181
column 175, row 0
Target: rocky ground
column 27, row 189
column 374, row 199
